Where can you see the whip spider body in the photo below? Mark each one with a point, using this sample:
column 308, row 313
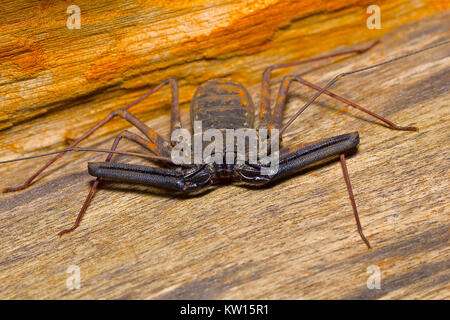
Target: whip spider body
column 222, row 104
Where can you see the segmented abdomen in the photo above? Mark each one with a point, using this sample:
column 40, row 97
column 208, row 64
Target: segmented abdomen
column 222, row 104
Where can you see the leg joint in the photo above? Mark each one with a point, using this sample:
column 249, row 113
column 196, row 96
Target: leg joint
column 289, row 78
column 124, row 134
column 118, row 112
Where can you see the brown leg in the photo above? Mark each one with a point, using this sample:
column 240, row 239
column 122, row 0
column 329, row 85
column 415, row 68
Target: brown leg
column 352, row 200
column 175, row 121
column 157, row 144
column 340, row 76
column 125, row 134
column 282, row 95
column 265, row 110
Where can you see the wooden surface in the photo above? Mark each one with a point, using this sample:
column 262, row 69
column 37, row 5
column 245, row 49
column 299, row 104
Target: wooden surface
column 295, row 240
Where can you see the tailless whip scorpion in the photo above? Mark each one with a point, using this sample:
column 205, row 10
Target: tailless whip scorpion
column 222, row 104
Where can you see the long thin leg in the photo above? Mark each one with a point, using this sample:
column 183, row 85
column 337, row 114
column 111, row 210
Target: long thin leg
column 352, row 199
column 175, row 121
column 340, row 76
column 157, row 144
column 125, row 134
column 282, row 95
column 265, row 109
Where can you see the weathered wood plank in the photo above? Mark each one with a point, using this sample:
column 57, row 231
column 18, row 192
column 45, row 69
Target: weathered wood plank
column 294, row 240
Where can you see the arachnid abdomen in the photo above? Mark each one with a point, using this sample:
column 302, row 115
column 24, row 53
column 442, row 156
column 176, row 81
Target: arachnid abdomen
column 222, row 104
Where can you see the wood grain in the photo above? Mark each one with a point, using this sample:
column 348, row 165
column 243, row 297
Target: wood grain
column 295, row 240
column 51, row 76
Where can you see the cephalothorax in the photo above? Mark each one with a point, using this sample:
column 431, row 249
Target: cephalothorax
column 222, row 104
